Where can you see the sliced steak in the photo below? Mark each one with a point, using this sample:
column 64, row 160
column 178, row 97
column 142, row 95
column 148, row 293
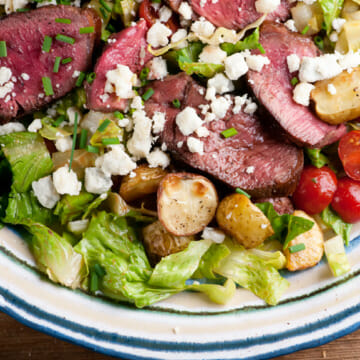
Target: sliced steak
column 234, row 14
column 282, row 205
column 128, row 48
column 272, row 87
column 252, row 160
column 24, row 35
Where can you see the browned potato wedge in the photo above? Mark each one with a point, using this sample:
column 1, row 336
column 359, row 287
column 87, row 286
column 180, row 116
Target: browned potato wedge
column 159, row 242
column 345, row 104
column 146, row 181
column 314, row 247
column 243, row 220
column 186, row 203
column 116, row 204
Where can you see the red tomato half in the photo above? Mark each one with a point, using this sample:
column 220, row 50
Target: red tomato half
column 315, row 190
column 349, row 153
column 346, row 201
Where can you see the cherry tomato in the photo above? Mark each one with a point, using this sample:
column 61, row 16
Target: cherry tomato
column 346, row 201
column 349, row 153
column 147, row 12
column 315, row 190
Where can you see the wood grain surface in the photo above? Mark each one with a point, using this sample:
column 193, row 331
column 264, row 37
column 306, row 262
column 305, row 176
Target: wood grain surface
column 18, row 342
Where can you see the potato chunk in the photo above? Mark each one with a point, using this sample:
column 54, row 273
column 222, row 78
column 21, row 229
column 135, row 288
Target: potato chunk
column 314, row 247
column 243, row 220
column 159, row 242
column 186, row 203
column 146, row 181
column 342, row 106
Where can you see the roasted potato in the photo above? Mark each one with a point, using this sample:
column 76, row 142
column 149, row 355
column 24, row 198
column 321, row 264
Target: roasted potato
column 146, row 181
column 116, row 204
column 186, row 203
column 345, row 104
column 159, row 242
column 349, row 36
column 243, row 220
column 314, row 247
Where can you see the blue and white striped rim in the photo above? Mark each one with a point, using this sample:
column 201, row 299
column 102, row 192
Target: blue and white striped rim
column 340, row 320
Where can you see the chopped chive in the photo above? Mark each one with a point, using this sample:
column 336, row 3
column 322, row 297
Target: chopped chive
column 294, row 81
column 63, row 21
column 110, row 141
column 242, row 192
column 144, row 73
column 156, row 1
column 80, row 79
column 104, row 13
column 65, row 39
column 111, row 28
column 83, row 138
column 229, row 132
column 94, row 282
column 104, row 125
column 119, row 115
column 3, row 49
column 297, row 248
column 319, row 42
column 148, row 94
column 47, row 86
column 86, row 30
column 261, row 49
column 22, row 10
column 92, row 149
column 90, row 77
column 176, row 103
column 59, row 120
column 74, row 140
column 105, row 5
column 47, row 43
column 57, row 64
column 100, row 271
column 66, row 60
column 305, row 30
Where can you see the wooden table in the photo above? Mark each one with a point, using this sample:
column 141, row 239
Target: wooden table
column 18, row 342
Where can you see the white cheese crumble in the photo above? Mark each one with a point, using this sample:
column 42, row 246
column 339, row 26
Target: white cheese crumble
column 185, row 10
column 164, row 14
column 220, row 106
column 64, row 144
column 257, row 62
column 235, row 66
column 221, row 84
column 195, row 145
column 203, row 28
column 215, row 235
column 250, row 169
column 121, row 81
column 11, row 127
column 71, row 113
column 293, row 62
column 35, row 125
column 25, row 76
column 66, row 182
column 158, row 122
column 157, row 68
column 158, row 35
column 302, row 93
column 6, row 86
column 158, row 158
column 212, row 55
column 202, row 131
column 188, row 121
column 178, row 36
column 96, row 181
column 338, row 24
column 13, row 5
column 45, row 192
column 266, row 6
column 290, row 24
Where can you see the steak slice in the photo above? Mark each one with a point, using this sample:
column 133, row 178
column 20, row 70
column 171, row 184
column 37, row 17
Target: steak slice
column 252, row 160
column 24, row 35
column 128, row 47
column 234, row 14
column 272, row 87
column 282, row 205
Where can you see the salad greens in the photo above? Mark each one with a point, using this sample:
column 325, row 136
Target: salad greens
column 331, row 10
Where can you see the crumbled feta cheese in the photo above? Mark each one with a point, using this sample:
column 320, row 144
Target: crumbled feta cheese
column 250, row 107
column 257, row 62
column 96, row 181
column 290, row 24
column 349, row 60
column 139, row 144
column 158, row 122
column 293, row 62
column 235, row 66
column 180, row 144
column 71, row 114
column 250, row 169
column 221, row 84
column 203, row 28
column 137, row 103
column 266, row 6
column 121, row 81
column 338, row 24
column 115, row 162
column 210, row 93
column 158, row 158
column 215, row 235
column 13, row 5
column 123, row 122
column 45, row 192
column 331, row 89
column 220, row 106
column 63, row 144
column 195, row 145
column 188, row 121
column 157, row 68
column 212, row 55
column 76, row 74
column 319, row 68
column 25, row 76
column 66, row 182
column 11, row 127
column 6, row 86
column 185, row 10
column 334, row 36
column 158, row 35
column 239, row 102
column 164, row 14
column 178, row 36
column 302, row 93
column 35, row 125
column 202, row 131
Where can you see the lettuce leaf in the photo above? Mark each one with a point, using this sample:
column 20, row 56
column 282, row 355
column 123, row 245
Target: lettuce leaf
column 336, row 256
column 202, row 69
column 331, row 10
column 28, row 157
column 251, row 42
